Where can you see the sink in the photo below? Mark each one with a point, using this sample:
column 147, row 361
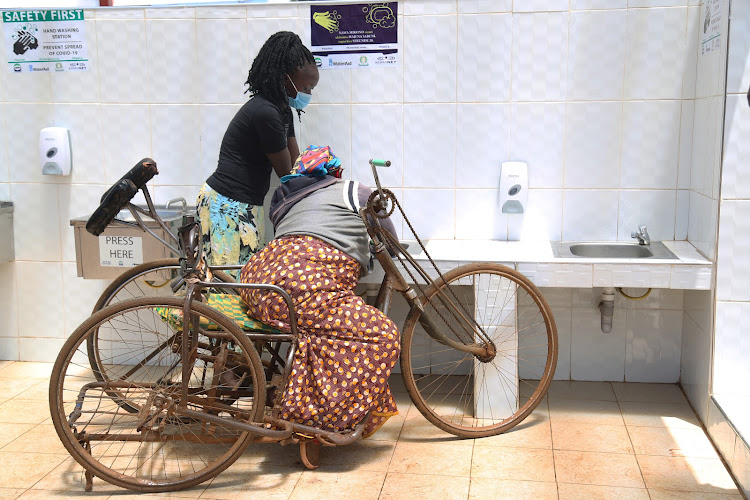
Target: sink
column 611, row 250
column 165, row 215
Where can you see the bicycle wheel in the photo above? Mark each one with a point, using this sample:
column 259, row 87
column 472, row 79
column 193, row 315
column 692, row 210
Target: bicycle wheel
column 128, row 429
column 480, row 395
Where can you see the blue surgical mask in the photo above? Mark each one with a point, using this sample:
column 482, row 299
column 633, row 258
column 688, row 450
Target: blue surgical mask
column 301, row 100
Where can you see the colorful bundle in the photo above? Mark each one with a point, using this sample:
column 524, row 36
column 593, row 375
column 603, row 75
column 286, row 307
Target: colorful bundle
column 316, row 161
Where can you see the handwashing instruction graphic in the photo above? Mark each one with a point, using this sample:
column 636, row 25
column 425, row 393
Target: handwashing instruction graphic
column 24, row 39
column 380, row 15
column 329, row 20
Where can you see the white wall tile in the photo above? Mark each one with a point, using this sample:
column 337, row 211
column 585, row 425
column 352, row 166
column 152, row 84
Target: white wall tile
column 8, row 306
column 540, row 5
column 176, row 144
column 657, row 3
column 702, row 222
column 80, row 295
column 377, row 132
column 427, row 7
column 682, row 212
column 592, row 144
column 436, row 223
column 45, row 351
column 741, row 465
column 686, row 144
column 738, row 70
column 721, row 433
column 23, row 124
column 563, row 322
column 691, row 53
column 259, row 29
column 540, row 56
column 4, row 163
column 378, row 85
column 222, row 12
column 40, row 300
column 655, row 53
column 170, row 13
column 171, row 79
column 79, row 86
column 221, row 74
column 696, row 365
column 9, row 348
column 596, row 51
column 126, row 132
column 85, row 124
column 735, row 172
column 589, row 215
column 596, row 355
column 652, row 208
column 490, row 225
column 542, row 220
column 316, row 129
column 429, row 55
column 537, row 136
column 479, row 125
column 214, row 120
column 105, row 14
column 732, row 347
column 269, row 11
column 23, row 86
column 76, row 200
column 123, row 77
column 732, row 264
column 654, row 346
column 477, row 80
column 484, row 6
column 704, row 164
column 650, row 144
column 429, row 127
column 36, row 232
column 598, row 4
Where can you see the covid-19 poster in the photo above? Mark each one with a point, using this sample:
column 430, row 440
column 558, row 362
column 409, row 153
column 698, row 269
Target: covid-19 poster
column 354, row 35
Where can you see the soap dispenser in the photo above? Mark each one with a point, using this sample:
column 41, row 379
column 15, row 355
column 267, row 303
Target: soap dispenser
column 514, row 184
column 55, row 152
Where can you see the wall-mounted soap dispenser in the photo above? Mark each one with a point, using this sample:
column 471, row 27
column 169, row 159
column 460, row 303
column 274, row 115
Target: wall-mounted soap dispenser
column 55, row 152
column 514, row 184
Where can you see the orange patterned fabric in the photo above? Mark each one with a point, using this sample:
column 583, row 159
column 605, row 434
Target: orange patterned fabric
column 346, row 349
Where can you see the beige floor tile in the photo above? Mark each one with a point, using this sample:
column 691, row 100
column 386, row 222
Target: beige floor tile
column 533, row 432
column 659, row 415
column 585, row 412
column 362, row 455
column 256, row 481
column 519, row 464
column 12, row 388
column 23, row 470
column 686, row 474
column 506, row 489
column 391, row 430
column 671, row 442
column 417, row 428
column 431, row 458
column 602, row 469
column 40, row 439
column 11, row 432
column 5, row 363
column 657, row 494
column 272, row 453
column 24, row 411
column 37, row 390
column 571, row 389
column 592, row 492
column 363, row 485
column 587, row 437
column 648, row 393
column 25, row 370
column 417, row 486
column 10, row 493
column 68, row 477
column 47, row 495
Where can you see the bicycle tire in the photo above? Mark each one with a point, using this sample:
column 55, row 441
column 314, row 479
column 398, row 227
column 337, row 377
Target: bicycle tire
column 451, row 388
column 156, row 449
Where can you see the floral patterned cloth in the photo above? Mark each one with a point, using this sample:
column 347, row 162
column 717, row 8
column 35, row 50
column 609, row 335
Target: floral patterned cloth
column 346, row 349
column 232, row 231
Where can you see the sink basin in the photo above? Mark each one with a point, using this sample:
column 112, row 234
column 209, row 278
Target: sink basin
column 165, row 215
column 612, row 250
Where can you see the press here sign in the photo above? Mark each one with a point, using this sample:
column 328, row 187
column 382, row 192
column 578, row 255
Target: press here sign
column 45, row 40
column 354, row 35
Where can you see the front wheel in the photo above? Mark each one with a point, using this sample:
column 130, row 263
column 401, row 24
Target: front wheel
column 498, row 310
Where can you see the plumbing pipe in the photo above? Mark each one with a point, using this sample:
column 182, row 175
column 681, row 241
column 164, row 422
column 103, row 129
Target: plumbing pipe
column 607, row 308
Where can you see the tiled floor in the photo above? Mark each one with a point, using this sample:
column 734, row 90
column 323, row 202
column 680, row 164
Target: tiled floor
column 587, row 440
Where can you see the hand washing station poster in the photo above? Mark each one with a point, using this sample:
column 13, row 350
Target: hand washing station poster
column 354, row 35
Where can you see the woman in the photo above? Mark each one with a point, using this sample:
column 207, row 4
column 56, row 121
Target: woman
column 347, row 348
column 259, row 138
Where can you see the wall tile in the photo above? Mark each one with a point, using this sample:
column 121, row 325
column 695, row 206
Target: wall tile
column 738, row 70
column 171, row 13
column 4, row 162
column 316, row 129
column 540, row 56
column 377, row 132
column 477, row 126
column 76, row 200
column 259, row 29
column 9, row 348
column 542, row 220
column 429, row 55
column 540, row 5
column 427, row 7
column 123, row 77
column 220, row 73
column 126, row 133
column 596, row 355
column 732, row 264
column 657, row 3
column 23, row 124
column 85, row 124
column 477, row 80
column 702, row 222
column 108, row 14
column 598, row 4
column 222, row 12
column 8, row 307
column 429, row 127
column 214, row 120
column 537, row 136
column 654, row 64
column 653, row 346
column 439, row 221
column 23, row 87
column 31, row 349
column 377, row 85
column 705, row 146
column 592, row 145
column 695, row 367
column 80, row 295
column 563, row 322
column 735, row 171
column 162, row 194
column 490, row 225
column 589, row 215
column 731, row 347
column 741, row 465
column 36, row 233
column 171, row 79
column 682, row 213
column 721, row 433
column 484, row 6
column 176, row 144
column 686, row 144
column 269, row 11
column 650, row 144
column 40, row 297
column 691, row 53
column 82, row 86
column 596, row 51
column 653, row 208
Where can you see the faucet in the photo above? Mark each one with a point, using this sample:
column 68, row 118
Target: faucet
column 642, row 235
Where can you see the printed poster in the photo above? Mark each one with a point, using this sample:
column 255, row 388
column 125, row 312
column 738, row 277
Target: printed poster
column 354, row 35
column 711, row 28
column 45, row 40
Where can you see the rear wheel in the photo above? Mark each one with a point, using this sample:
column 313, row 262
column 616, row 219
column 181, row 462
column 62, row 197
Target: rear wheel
column 475, row 395
column 125, row 425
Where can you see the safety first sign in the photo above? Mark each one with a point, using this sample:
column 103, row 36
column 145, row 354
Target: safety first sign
column 45, row 40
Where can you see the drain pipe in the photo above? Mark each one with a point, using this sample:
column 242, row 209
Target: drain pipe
column 607, row 308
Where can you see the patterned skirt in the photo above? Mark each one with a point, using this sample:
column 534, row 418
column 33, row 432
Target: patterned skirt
column 346, row 349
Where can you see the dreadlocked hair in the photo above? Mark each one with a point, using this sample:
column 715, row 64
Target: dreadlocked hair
column 282, row 53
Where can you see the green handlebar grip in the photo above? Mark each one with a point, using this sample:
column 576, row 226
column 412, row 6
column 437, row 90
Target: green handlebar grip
column 381, row 163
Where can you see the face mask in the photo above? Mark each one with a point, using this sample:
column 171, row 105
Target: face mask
column 301, row 100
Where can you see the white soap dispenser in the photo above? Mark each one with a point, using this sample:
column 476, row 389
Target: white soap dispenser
column 514, row 187
column 55, row 152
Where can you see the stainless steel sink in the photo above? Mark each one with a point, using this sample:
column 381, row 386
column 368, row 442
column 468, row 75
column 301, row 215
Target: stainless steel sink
column 611, row 250
column 165, row 215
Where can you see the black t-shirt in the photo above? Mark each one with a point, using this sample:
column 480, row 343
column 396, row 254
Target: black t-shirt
column 244, row 171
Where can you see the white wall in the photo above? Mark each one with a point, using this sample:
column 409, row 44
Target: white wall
column 600, row 103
